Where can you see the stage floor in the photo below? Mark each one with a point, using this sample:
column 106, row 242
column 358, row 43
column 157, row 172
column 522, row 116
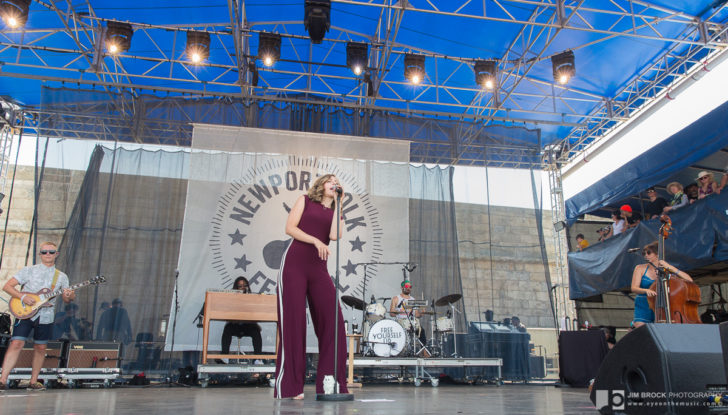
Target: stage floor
column 376, row 399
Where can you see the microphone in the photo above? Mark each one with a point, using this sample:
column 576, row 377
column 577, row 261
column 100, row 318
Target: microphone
column 410, row 266
column 338, row 190
column 374, row 300
column 630, row 250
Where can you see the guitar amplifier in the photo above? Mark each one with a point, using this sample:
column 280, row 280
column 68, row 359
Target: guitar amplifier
column 53, row 356
column 89, row 354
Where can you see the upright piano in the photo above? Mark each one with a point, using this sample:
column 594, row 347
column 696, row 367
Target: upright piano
column 234, row 305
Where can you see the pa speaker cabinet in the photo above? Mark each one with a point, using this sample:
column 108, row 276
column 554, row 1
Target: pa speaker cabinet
column 661, row 369
column 53, row 356
column 86, row 354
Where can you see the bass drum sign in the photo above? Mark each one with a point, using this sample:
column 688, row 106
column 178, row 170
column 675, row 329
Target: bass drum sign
column 387, row 338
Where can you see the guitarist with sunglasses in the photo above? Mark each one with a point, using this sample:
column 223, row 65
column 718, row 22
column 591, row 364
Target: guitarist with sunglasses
column 32, row 279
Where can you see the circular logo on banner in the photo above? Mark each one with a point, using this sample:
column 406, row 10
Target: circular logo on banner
column 248, row 237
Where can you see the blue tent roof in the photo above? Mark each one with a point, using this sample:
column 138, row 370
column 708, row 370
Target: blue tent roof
column 615, row 50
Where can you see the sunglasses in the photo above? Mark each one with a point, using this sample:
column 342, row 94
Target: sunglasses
column 407, row 286
column 52, row 252
column 645, row 253
column 703, row 178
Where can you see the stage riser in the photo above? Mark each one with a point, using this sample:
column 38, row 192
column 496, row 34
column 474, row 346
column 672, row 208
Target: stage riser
column 659, row 360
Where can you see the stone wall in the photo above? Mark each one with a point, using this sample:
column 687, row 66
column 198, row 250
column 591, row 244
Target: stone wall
column 513, row 281
column 58, row 193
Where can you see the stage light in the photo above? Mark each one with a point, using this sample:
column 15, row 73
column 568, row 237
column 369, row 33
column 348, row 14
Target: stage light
column 317, row 19
column 118, row 37
column 564, row 67
column 198, row 46
column 357, row 55
column 269, row 47
column 15, row 12
column 485, row 73
column 414, row 67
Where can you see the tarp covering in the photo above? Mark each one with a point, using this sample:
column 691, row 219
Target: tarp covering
column 684, row 148
column 696, row 229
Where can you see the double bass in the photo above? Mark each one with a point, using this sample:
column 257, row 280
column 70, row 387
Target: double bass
column 676, row 297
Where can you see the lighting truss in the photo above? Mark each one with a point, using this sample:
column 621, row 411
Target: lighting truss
column 69, row 54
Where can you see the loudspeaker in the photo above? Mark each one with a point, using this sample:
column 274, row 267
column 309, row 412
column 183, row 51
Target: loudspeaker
column 537, row 366
column 53, row 356
column 659, row 369
column 86, row 354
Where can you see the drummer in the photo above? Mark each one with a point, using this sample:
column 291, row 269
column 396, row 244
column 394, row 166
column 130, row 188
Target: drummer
column 397, row 309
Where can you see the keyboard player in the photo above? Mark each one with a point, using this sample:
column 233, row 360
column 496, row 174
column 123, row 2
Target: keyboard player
column 239, row 328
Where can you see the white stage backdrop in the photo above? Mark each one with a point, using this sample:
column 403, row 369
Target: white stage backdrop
column 242, row 184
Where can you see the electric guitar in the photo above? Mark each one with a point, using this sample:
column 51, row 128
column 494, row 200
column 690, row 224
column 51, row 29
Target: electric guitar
column 24, row 311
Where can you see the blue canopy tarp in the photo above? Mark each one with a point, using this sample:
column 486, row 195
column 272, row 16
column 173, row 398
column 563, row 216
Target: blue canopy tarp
column 693, row 143
column 699, row 237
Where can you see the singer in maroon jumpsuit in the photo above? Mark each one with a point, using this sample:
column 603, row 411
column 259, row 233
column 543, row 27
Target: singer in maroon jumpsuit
column 303, row 276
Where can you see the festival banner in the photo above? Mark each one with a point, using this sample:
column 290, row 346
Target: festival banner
column 244, row 181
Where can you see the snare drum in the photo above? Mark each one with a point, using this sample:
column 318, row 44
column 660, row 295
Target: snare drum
column 444, row 324
column 386, row 338
column 375, row 312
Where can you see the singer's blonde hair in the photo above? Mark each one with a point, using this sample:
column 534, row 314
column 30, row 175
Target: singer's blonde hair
column 316, row 192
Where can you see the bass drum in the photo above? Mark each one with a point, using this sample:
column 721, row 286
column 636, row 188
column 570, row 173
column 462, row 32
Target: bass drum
column 375, row 312
column 386, row 338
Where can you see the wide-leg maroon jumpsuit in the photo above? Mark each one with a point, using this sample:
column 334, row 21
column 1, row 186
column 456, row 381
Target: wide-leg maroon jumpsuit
column 303, row 276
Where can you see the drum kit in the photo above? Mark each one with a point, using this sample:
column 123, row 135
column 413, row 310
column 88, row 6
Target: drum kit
column 386, row 336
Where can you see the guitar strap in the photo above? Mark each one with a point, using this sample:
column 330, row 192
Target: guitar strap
column 55, row 279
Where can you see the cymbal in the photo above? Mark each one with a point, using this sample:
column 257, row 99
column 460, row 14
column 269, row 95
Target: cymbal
column 448, row 299
column 353, row 302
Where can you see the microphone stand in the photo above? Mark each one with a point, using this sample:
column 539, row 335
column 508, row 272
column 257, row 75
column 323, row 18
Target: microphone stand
column 336, row 396
column 168, row 379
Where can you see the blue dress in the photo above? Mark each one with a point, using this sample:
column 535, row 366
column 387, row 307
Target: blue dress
column 642, row 311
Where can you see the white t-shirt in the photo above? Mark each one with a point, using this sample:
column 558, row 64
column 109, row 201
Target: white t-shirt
column 618, row 227
column 36, row 277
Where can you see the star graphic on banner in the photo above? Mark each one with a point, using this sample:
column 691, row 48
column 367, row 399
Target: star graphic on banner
column 357, row 244
column 242, row 263
column 237, row 237
column 350, row 268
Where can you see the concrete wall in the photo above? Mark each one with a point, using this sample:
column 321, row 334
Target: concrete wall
column 513, row 281
column 60, row 187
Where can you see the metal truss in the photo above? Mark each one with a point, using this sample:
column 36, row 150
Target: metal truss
column 72, row 53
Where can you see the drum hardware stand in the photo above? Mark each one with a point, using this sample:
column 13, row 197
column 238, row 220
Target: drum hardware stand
column 454, row 336
column 336, row 396
column 415, row 337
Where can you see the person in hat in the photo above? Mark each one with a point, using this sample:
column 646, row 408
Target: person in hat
column 653, row 208
column 708, row 186
column 398, row 309
column 679, row 199
column 631, row 219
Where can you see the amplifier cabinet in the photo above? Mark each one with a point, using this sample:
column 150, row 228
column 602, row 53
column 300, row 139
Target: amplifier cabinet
column 89, row 354
column 54, row 356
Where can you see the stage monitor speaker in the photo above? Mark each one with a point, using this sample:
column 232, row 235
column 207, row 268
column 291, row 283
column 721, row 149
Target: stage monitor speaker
column 661, row 369
column 88, row 354
column 53, row 356
column 537, row 367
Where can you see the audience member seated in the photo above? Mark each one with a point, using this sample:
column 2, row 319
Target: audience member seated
column 581, row 243
column 618, row 225
column 604, row 232
column 679, row 199
column 632, row 219
column 691, row 191
column 708, row 186
column 653, row 208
